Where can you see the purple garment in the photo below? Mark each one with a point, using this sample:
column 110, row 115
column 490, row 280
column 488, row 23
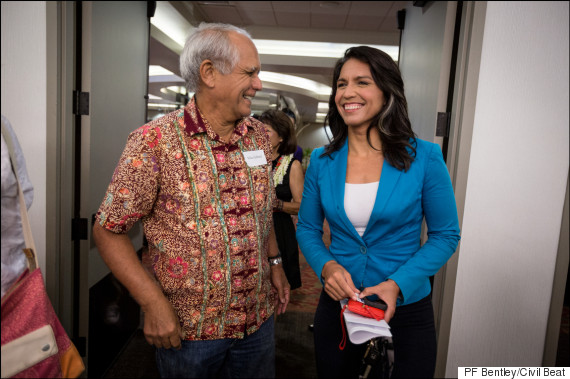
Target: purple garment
column 298, row 154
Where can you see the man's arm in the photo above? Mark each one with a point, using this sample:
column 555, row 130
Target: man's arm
column 161, row 325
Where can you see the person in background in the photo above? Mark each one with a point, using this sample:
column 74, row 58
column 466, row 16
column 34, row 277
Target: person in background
column 199, row 179
column 375, row 183
column 288, row 180
column 298, row 155
column 13, row 258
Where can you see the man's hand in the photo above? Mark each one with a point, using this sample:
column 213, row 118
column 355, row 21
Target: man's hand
column 387, row 291
column 338, row 282
column 161, row 326
column 281, row 287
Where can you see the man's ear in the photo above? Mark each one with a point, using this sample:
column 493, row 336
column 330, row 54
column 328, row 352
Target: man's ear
column 208, row 73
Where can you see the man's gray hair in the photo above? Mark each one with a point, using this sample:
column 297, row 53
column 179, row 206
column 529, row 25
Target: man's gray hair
column 209, row 41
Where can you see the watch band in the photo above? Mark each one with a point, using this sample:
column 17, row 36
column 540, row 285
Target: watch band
column 276, row 260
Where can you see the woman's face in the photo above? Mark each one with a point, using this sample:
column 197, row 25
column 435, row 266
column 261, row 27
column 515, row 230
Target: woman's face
column 273, row 136
column 358, row 98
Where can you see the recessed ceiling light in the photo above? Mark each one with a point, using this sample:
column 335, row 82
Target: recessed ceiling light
column 314, row 49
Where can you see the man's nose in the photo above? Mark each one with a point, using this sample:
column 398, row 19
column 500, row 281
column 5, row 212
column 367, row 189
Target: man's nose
column 256, row 83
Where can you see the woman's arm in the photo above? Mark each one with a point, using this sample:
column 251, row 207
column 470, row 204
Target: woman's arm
column 296, row 179
column 440, row 212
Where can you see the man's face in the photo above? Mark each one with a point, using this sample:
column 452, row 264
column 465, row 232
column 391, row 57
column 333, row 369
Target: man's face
column 237, row 89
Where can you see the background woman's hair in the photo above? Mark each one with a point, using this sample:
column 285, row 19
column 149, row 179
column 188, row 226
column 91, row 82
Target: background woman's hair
column 208, row 41
column 283, row 126
column 393, row 123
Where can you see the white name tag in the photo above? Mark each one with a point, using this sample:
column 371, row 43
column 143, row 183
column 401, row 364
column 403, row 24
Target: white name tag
column 254, row 158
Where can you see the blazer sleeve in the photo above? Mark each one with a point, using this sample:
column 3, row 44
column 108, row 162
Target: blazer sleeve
column 440, row 212
column 311, row 217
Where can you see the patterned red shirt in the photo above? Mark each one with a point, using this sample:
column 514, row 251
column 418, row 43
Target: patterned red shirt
column 206, row 215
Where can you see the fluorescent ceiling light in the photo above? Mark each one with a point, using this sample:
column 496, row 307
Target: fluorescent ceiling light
column 295, row 81
column 178, row 89
column 158, row 74
column 162, row 105
column 322, row 107
column 314, row 49
column 170, row 22
column 154, row 70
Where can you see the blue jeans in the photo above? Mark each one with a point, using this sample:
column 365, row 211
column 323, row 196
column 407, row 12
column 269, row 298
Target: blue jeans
column 250, row 357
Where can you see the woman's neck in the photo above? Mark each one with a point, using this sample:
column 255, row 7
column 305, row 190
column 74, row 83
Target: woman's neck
column 275, row 154
column 358, row 143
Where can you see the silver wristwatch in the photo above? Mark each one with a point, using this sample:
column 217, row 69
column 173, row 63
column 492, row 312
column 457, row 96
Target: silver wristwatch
column 275, row 260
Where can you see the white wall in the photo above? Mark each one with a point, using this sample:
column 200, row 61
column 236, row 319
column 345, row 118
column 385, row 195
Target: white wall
column 425, row 59
column 24, row 98
column 515, row 190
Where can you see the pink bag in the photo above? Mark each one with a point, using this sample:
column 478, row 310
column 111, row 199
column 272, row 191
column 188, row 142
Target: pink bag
column 34, row 343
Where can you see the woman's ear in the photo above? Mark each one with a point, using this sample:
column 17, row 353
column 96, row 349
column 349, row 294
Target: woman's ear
column 208, row 73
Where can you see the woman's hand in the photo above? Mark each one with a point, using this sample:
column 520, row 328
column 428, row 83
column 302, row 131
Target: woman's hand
column 338, row 282
column 388, row 291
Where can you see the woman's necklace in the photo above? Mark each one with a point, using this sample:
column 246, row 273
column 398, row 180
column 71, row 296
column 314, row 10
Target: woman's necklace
column 281, row 168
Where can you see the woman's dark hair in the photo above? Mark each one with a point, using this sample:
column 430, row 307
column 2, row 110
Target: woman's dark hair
column 283, row 125
column 393, row 124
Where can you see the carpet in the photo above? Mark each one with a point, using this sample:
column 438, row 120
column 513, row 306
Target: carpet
column 306, row 297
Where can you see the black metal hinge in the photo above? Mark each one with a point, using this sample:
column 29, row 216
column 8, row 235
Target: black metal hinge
column 79, row 229
column 442, row 126
column 80, row 103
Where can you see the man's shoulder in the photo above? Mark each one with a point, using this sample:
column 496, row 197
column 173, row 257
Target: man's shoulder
column 254, row 123
column 163, row 123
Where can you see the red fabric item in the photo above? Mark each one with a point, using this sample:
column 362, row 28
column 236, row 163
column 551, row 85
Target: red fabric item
column 360, row 309
column 364, row 310
column 27, row 308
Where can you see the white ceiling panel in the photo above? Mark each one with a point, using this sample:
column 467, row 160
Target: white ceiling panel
column 330, row 7
column 363, row 22
column 328, row 21
column 257, row 5
column 221, row 13
column 257, row 17
column 293, row 19
column 291, row 6
column 376, row 8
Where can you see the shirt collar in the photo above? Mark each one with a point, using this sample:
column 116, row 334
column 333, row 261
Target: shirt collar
column 194, row 123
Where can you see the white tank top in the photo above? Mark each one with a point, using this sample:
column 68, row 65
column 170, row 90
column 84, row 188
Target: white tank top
column 358, row 203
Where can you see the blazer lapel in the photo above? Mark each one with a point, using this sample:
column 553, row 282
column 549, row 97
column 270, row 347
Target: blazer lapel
column 388, row 180
column 337, row 175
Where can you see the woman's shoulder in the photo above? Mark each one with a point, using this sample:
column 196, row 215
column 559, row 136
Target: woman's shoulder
column 425, row 148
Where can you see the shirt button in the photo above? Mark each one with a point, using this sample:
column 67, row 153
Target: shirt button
column 363, row 249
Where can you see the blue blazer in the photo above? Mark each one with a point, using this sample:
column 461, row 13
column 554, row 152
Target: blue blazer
column 390, row 246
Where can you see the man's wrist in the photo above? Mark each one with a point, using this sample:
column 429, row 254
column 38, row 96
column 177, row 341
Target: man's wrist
column 275, row 260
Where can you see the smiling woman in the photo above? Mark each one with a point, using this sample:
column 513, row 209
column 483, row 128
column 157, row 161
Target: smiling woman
column 375, row 158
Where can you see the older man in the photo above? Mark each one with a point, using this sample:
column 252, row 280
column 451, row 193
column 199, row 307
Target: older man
column 199, row 179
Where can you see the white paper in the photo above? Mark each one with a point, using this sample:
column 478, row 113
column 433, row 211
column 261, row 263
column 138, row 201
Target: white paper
column 361, row 329
column 255, row 158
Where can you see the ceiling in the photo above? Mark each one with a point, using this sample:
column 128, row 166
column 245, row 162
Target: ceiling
column 348, row 22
